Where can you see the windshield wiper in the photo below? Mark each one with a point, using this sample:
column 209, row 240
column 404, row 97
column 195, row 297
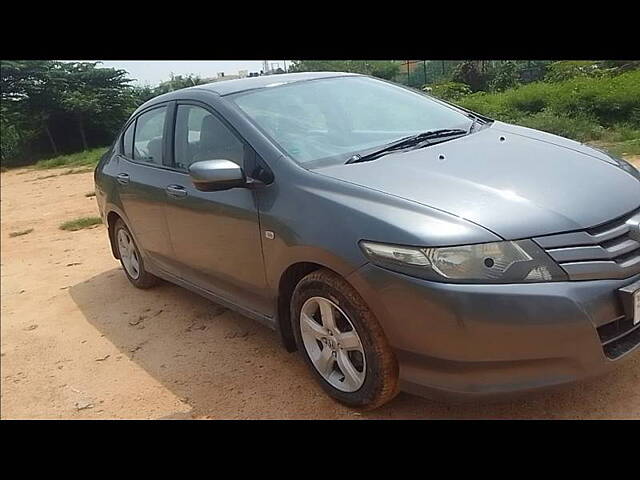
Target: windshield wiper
column 407, row 142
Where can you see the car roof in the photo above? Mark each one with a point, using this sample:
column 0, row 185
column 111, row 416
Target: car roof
column 227, row 87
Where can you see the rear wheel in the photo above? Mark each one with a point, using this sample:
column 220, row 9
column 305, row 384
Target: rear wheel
column 131, row 259
column 342, row 342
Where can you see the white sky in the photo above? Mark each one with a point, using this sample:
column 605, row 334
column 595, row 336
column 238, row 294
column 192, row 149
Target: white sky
column 152, row 72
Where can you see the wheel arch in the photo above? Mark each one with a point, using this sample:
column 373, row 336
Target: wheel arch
column 112, row 216
column 288, row 281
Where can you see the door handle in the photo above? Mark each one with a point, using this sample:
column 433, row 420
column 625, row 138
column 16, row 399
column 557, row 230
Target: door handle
column 123, row 178
column 176, row 191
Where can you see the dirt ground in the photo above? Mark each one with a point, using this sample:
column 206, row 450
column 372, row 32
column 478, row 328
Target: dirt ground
column 78, row 341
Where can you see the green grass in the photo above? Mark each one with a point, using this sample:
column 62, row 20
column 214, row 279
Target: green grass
column 80, row 223
column 585, row 109
column 88, row 158
column 21, row 232
column 621, row 149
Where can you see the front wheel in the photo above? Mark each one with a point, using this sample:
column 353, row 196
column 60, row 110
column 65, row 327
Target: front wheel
column 342, row 342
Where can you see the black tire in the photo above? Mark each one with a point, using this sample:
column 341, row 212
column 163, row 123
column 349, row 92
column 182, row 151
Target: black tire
column 144, row 279
column 381, row 378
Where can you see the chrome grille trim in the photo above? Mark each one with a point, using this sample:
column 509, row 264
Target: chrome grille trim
column 580, row 238
column 609, row 251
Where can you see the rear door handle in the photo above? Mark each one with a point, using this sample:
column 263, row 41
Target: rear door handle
column 176, row 191
column 123, row 178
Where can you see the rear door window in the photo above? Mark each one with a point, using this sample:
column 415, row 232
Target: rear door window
column 149, row 136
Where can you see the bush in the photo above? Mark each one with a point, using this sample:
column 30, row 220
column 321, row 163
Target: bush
column 504, row 75
column 467, row 72
column 605, row 101
column 9, row 142
column 629, row 147
column 609, row 99
column 492, row 105
column 578, row 128
column 568, row 69
column 449, row 90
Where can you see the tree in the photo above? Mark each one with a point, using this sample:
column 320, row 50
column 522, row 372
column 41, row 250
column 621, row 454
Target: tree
column 469, row 73
column 378, row 68
column 177, row 82
column 503, row 76
column 142, row 94
column 97, row 95
column 50, row 107
column 30, row 97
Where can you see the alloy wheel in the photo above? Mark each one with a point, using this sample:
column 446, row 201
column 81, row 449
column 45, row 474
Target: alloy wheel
column 128, row 254
column 332, row 344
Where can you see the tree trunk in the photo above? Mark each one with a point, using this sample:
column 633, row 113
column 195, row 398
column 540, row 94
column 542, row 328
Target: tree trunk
column 51, row 141
column 82, row 134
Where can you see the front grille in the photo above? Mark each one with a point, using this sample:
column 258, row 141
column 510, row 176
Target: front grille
column 619, row 336
column 610, row 251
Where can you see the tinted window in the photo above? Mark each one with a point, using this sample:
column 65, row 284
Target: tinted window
column 127, row 141
column 200, row 135
column 149, row 136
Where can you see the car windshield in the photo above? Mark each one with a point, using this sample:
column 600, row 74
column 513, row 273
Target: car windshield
column 326, row 120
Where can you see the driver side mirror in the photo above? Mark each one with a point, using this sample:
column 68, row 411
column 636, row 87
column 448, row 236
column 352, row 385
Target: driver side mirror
column 214, row 175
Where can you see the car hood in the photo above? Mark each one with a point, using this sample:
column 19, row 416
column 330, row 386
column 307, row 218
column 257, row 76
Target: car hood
column 514, row 181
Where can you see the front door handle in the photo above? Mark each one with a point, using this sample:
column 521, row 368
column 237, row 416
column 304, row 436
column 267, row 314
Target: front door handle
column 123, row 178
column 177, row 191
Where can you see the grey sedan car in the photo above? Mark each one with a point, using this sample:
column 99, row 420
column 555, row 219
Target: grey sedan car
column 398, row 242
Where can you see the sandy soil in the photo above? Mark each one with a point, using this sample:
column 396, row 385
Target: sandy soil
column 78, row 341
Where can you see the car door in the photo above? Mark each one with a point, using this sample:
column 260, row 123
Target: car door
column 141, row 177
column 215, row 235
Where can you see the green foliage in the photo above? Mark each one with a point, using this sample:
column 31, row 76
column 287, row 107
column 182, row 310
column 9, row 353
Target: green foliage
column 88, row 158
column 50, row 107
column 383, row 69
column 9, row 140
column 568, row 69
column 622, row 149
column 143, row 94
column 377, row 68
column 468, row 72
column 177, row 82
column 621, row 133
column 486, row 75
column 80, row 223
column 97, row 95
column 578, row 128
column 29, row 91
column 606, row 100
column 448, row 90
column 505, row 75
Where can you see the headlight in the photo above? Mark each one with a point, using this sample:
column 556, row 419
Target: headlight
column 496, row 262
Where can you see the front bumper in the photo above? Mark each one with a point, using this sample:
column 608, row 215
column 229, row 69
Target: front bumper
column 468, row 341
